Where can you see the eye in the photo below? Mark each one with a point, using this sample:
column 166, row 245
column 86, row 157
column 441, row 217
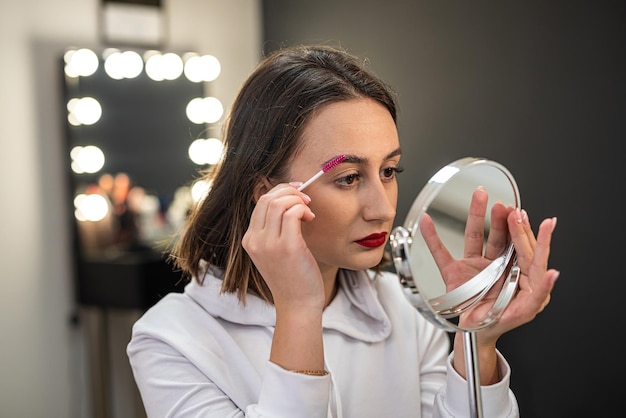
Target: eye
column 349, row 180
column 390, row 173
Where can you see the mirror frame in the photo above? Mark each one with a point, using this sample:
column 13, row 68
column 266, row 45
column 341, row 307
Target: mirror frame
column 442, row 309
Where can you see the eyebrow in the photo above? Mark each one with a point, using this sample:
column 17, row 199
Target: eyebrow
column 355, row 159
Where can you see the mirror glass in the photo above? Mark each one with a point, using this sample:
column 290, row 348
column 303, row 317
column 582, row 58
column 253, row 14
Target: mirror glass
column 446, row 199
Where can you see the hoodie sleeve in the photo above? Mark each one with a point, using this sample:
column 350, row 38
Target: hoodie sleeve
column 498, row 400
column 186, row 364
column 285, row 394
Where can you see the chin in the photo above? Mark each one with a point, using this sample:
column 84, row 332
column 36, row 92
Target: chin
column 369, row 260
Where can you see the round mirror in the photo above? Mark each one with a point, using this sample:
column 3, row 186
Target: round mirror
column 446, row 201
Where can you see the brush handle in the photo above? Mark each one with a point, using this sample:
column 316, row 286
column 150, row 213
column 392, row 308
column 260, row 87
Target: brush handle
column 311, row 180
column 327, row 167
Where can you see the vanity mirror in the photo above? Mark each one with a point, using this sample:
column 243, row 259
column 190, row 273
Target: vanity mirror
column 446, row 201
column 137, row 126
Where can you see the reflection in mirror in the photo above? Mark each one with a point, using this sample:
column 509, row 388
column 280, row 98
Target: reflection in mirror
column 139, row 129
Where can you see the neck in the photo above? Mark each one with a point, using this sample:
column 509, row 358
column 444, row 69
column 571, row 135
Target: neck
column 331, row 286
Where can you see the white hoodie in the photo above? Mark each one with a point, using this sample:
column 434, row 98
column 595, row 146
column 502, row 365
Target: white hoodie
column 202, row 354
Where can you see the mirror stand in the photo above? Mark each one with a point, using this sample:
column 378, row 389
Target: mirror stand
column 446, row 201
column 473, row 374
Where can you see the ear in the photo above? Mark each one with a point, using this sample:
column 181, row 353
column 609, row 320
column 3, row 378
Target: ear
column 262, row 186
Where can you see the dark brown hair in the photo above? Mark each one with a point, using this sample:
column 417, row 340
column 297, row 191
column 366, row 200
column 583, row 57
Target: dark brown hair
column 262, row 135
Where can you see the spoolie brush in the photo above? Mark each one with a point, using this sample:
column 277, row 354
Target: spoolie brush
column 325, row 169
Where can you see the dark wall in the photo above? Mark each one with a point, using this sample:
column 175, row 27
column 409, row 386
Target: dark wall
column 538, row 86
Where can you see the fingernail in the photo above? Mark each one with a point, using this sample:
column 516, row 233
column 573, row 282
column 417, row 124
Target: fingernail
column 553, row 223
column 555, row 276
column 295, row 183
column 306, row 197
column 524, row 215
column 519, row 215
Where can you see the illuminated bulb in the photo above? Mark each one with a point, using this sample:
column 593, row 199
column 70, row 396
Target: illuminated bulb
column 119, row 65
column 113, row 65
column 89, row 159
column 164, row 67
column 131, row 64
column 86, row 111
column 204, row 110
column 202, row 68
column 206, row 151
column 213, row 149
column 71, row 117
column 213, row 108
column 154, row 69
column 92, row 207
column 172, row 66
column 200, row 189
column 82, row 62
column 194, row 110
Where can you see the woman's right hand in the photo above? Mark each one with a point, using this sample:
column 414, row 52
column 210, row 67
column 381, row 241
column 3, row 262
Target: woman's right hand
column 275, row 244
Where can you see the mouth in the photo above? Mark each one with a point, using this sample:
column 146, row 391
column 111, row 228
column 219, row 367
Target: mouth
column 373, row 240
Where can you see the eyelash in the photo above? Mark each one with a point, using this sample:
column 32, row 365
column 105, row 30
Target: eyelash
column 348, row 181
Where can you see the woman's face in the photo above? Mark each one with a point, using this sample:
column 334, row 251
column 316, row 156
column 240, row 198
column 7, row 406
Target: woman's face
column 355, row 203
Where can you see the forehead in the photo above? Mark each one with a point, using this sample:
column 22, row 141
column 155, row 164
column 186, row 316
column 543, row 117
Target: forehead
column 359, row 127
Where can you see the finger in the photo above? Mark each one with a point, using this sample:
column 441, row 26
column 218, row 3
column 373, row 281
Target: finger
column 523, row 238
column 292, row 223
column 440, row 253
column 277, row 212
column 257, row 218
column 524, row 220
column 537, row 282
column 260, row 213
column 275, row 215
column 539, row 262
column 498, row 238
column 475, row 226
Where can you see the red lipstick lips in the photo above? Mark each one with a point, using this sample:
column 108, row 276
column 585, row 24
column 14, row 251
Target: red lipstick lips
column 373, row 240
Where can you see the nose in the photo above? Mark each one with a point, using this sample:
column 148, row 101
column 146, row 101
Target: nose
column 381, row 201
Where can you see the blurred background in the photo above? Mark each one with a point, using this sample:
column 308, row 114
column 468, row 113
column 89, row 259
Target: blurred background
column 535, row 85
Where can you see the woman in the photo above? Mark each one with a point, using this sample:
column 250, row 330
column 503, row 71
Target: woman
column 287, row 313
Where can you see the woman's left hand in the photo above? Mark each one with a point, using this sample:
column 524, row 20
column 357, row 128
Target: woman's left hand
column 507, row 225
column 536, row 280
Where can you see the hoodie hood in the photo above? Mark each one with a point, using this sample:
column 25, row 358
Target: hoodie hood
column 355, row 311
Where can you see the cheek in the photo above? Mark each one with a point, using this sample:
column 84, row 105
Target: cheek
column 331, row 221
column 393, row 196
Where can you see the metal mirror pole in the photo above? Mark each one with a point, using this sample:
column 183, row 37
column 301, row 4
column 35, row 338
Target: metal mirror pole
column 473, row 374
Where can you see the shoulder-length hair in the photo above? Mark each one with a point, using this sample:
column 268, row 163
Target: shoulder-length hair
column 262, row 134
